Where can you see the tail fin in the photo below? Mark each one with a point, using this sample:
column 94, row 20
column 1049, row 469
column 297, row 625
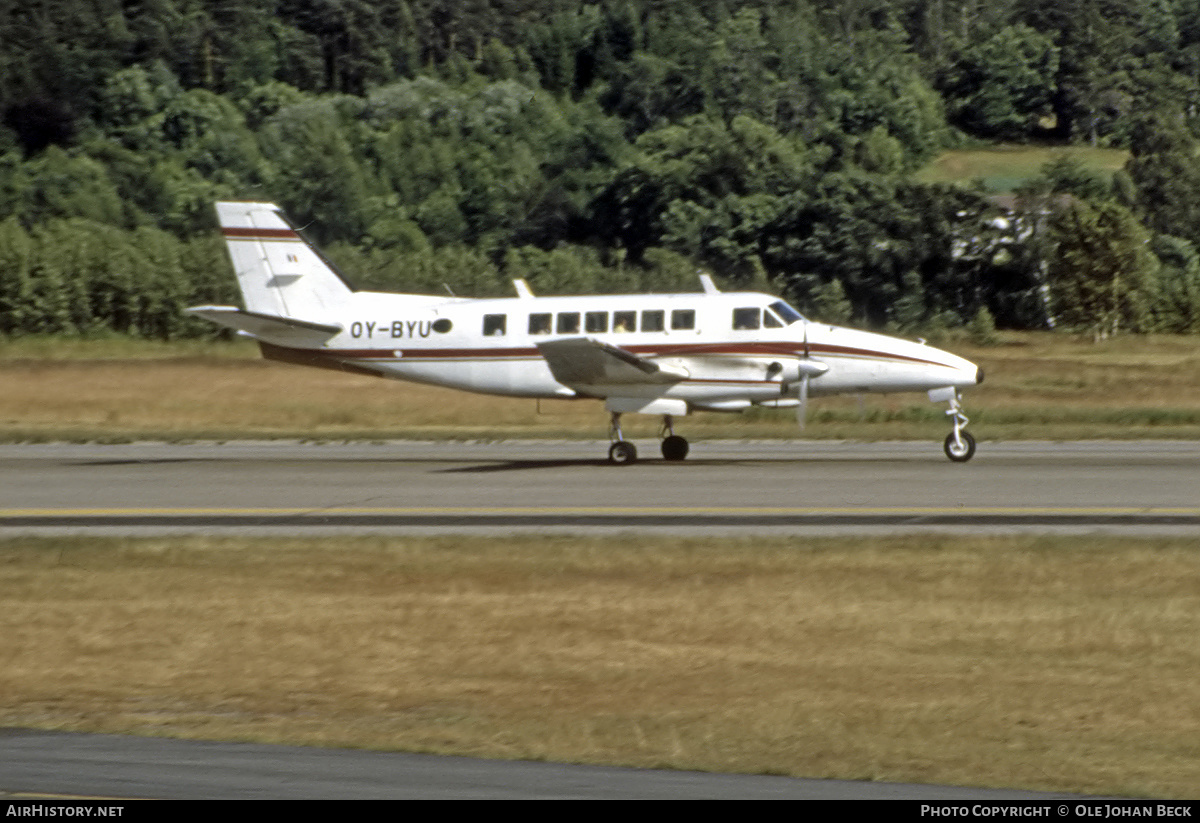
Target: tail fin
column 279, row 273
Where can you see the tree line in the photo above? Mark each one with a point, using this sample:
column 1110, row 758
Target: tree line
column 604, row 146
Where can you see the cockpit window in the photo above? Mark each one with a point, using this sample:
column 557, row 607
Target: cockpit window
column 786, row 312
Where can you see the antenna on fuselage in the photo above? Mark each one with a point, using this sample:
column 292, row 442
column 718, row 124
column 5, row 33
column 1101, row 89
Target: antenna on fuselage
column 522, row 288
column 706, row 282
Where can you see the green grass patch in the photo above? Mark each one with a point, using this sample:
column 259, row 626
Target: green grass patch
column 1004, row 168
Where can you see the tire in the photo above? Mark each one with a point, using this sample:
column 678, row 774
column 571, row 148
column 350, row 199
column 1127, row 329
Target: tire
column 622, row 453
column 674, row 448
column 960, row 453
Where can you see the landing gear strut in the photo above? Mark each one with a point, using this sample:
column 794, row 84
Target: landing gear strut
column 959, row 445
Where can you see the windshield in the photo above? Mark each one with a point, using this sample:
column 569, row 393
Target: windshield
column 786, row 312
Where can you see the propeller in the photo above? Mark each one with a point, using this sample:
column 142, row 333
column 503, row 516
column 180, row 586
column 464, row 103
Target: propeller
column 802, row 389
column 802, row 396
column 805, row 369
column 809, row 368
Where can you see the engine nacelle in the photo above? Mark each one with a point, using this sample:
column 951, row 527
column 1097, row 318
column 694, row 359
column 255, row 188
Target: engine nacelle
column 790, row 370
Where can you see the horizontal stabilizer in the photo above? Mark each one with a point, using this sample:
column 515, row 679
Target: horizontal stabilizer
column 282, row 331
column 582, row 361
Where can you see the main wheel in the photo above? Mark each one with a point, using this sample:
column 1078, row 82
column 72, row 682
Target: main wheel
column 674, row 447
column 960, row 452
column 622, row 452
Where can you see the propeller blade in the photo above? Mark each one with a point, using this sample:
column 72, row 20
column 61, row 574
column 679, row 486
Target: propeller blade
column 802, row 406
column 802, row 389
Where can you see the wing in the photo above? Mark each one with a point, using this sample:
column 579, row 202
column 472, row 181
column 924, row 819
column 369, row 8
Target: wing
column 282, row 331
column 584, row 362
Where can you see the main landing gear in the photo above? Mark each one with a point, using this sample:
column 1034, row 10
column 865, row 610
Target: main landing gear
column 623, row 452
column 959, row 445
column 674, row 447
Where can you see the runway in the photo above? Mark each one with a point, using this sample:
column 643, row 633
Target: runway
column 63, row 765
column 726, row 487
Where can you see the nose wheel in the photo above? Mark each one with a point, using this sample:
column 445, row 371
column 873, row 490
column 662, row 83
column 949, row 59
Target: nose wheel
column 959, row 445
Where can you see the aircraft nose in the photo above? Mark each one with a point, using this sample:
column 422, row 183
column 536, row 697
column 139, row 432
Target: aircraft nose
column 978, row 375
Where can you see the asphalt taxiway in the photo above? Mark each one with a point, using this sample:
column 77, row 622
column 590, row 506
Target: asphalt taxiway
column 724, row 487
column 54, row 764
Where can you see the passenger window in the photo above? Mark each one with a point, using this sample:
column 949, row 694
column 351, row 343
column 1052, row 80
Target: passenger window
column 495, row 325
column 596, row 322
column 746, row 319
column 683, row 319
column 771, row 321
column 652, row 321
column 568, row 323
column 539, row 323
column 624, row 321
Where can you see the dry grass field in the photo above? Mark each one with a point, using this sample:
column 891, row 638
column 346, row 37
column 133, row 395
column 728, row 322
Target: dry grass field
column 1049, row 663
column 1038, row 386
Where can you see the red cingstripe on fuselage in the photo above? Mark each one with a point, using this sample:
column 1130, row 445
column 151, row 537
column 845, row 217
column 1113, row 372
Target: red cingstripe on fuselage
column 716, row 349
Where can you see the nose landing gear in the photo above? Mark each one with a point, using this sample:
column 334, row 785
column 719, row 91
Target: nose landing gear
column 959, row 445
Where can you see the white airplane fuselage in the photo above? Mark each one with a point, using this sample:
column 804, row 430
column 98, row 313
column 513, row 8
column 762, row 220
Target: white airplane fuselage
column 666, row 354
column 441, row 341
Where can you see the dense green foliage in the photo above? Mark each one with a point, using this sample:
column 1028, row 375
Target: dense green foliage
column 603, row 145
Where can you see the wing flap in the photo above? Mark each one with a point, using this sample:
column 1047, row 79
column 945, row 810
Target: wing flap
column 582, row 361
column 282, row 331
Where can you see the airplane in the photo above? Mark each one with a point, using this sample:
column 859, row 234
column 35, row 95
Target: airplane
column 657, row 354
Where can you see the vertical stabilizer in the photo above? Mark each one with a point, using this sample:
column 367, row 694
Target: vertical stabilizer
column 279, row 273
